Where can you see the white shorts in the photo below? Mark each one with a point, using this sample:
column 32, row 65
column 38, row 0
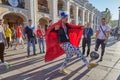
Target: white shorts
column 19, row 40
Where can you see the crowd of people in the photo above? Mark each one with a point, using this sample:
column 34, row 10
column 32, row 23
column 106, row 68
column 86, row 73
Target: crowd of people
column 116, row 32
column 14, row 36
column 69, row 44
column 34, row 35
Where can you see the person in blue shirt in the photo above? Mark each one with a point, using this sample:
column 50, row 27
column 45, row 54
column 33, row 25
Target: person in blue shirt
column 31, row 37
column 87, row 33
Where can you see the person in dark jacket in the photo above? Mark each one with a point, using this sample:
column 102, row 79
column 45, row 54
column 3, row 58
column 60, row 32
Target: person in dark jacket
column 88, row 32
column 30, row 37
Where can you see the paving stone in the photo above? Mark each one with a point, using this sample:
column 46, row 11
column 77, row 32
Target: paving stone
column 98, row 73
column 117, row 66
column 110, row 58
column 34, row 67
column 113, row 75
column 107, row 63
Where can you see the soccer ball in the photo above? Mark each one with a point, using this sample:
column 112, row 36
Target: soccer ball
column 94, row 55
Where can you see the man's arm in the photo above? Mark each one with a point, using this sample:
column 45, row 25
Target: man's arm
column 107, row 36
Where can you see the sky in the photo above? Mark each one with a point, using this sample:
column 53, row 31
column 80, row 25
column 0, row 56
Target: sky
column 111, row 4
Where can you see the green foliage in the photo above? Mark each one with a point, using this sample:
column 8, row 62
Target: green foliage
column 108, row 17
column 112, row 23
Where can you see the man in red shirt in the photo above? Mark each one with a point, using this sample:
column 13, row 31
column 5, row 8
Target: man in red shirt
column 19, row 36
column 40, row 35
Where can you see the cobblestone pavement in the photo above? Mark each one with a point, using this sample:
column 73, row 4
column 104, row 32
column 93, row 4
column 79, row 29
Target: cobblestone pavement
column 34, row 67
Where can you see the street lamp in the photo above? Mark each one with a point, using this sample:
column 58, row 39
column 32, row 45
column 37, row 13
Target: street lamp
column 119, row 17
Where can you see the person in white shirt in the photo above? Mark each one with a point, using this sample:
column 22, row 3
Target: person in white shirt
column 102, row 35
column 2, row 45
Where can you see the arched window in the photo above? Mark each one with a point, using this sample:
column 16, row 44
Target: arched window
column 61, row 5
column 80, row 14
column 71, row 11
column 5, row 2
column 43, row 6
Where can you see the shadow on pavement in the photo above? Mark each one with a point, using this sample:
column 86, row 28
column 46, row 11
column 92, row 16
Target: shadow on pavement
column 9, row 55
column 73, row 73
column 24, row 63
column 81, row 75
column 44, row 74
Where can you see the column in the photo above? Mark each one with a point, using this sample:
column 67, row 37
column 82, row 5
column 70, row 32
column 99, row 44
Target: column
column 36, row 3
column 88, row 14
column 27, row 6
column 92, row 19
column 83, row 16
column 76, row 14
column 0, row 1
column 36, row 10
column 54, row 10
column 95, row 21
column 68, row 8
column 33, row 11
column 50, row 6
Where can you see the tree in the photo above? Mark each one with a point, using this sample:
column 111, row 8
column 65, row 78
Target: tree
column 112, row 23
column 108, row 17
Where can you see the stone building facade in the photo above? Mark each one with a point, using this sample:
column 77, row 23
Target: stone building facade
column 41, row 11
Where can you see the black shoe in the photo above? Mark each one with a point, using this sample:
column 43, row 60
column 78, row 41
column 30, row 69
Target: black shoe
column 101, row 59
column 28, row 56
column 87, row 55
column 35, row 54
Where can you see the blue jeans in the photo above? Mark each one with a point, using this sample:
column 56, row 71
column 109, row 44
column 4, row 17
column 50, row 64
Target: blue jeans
column 32, row 40
column 41, row 45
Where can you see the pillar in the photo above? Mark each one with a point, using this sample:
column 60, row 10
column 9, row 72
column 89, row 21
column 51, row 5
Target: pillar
column 68, row 8
column 54, row 10
column 76, row 14
column 33, row 11
column 83, row 16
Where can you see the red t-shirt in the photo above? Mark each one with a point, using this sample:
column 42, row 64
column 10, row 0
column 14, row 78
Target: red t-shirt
column 19, row 32
column 40, row 33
